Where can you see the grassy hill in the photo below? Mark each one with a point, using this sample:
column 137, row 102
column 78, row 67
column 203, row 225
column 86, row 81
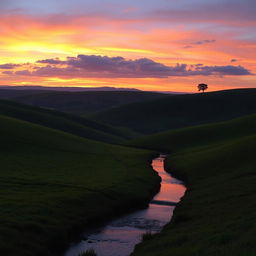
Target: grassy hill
column 217, row 216
column 190, row 137
column 177, row 111
column 54, row 183
column 66, row 122
column 81, row 103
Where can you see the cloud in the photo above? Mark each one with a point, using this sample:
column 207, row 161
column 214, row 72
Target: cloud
column 205, row 42
column 9, row 66
column 118, row 67
column 7, row 72
column 23, row 73
column 201, row 42
column 50, row 61
column 233, row 60
column 224, row 70
column 235, row 13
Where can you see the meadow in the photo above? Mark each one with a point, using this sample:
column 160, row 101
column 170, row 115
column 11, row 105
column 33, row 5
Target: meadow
column 61, row 173
column 218, row 213
column 53, row 184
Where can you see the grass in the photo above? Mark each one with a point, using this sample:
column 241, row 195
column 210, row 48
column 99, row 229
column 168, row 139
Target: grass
column 190, row 137
column 178, row 111
column 76, row 125
column 53, row 184
column 217, row 216
column 147, row 236
column 89, row 252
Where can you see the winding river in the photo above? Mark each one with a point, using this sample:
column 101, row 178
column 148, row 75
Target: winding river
column 119, row 237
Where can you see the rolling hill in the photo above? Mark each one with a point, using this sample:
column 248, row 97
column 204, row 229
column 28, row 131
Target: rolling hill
column 66, row 122
column 52, row 182
column 218, row 213
column 81, row 103
column 177, row 111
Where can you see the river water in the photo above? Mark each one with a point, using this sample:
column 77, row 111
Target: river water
column 119, row 237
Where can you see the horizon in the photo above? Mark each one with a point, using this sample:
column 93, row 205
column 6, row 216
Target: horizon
column 105, row 89
column 147, row 45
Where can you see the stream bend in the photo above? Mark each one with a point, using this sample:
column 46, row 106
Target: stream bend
column 119, row 237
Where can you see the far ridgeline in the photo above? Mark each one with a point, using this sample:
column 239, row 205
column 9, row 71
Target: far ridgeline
column 177, row 111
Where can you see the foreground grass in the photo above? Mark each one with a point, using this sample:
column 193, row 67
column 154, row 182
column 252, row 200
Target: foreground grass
column 53, row 184
column 217, row 216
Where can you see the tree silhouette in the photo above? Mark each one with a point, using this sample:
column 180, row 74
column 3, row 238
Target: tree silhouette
column 202, row 87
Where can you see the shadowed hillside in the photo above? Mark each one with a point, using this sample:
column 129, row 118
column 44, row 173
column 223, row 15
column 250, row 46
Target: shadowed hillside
column 66, row 122
column 53, row 184
column 178, row 111
column 189, row 137
column 81, row 103
column 218, row 213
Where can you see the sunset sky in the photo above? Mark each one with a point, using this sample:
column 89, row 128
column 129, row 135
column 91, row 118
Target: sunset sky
column 160, row 45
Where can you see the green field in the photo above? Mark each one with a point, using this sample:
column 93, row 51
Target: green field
column 177, row 111
column 76, row 125
column 53, row 184
column 58, row 175
column 217, row 216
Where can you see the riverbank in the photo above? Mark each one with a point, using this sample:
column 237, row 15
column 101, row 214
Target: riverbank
column 217, row 216
column 119, row 236
column 53, row 184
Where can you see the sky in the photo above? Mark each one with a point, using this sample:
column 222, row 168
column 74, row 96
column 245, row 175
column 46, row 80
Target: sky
column 157, row 45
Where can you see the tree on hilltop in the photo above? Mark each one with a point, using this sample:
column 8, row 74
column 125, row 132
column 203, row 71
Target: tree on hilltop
column 202, row 87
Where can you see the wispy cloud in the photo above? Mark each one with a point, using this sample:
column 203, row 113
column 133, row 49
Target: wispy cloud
column 204, row 42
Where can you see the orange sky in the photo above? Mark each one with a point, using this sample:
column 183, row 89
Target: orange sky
column 226, row 51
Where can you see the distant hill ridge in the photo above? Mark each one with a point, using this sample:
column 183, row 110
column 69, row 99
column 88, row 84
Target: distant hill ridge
column 67, row 89
column 177, row 111
column 78, row 102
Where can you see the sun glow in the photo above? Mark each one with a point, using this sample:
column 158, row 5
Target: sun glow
column 27, row 38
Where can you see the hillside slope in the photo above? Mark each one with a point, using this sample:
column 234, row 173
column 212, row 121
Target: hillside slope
column 66, row 122
column 52, row 182
column 177, row 111
column 217, row 215
column 190, row 137
column 83, row 103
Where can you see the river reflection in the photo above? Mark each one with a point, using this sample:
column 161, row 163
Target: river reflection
column 119, row 237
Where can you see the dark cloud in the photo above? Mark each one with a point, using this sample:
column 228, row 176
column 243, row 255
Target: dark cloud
column 87, row 65
column 50, row 61
column 119, row 67
column 224, row 70
column 233, row 60
column 9, row 66
column 23, row 73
